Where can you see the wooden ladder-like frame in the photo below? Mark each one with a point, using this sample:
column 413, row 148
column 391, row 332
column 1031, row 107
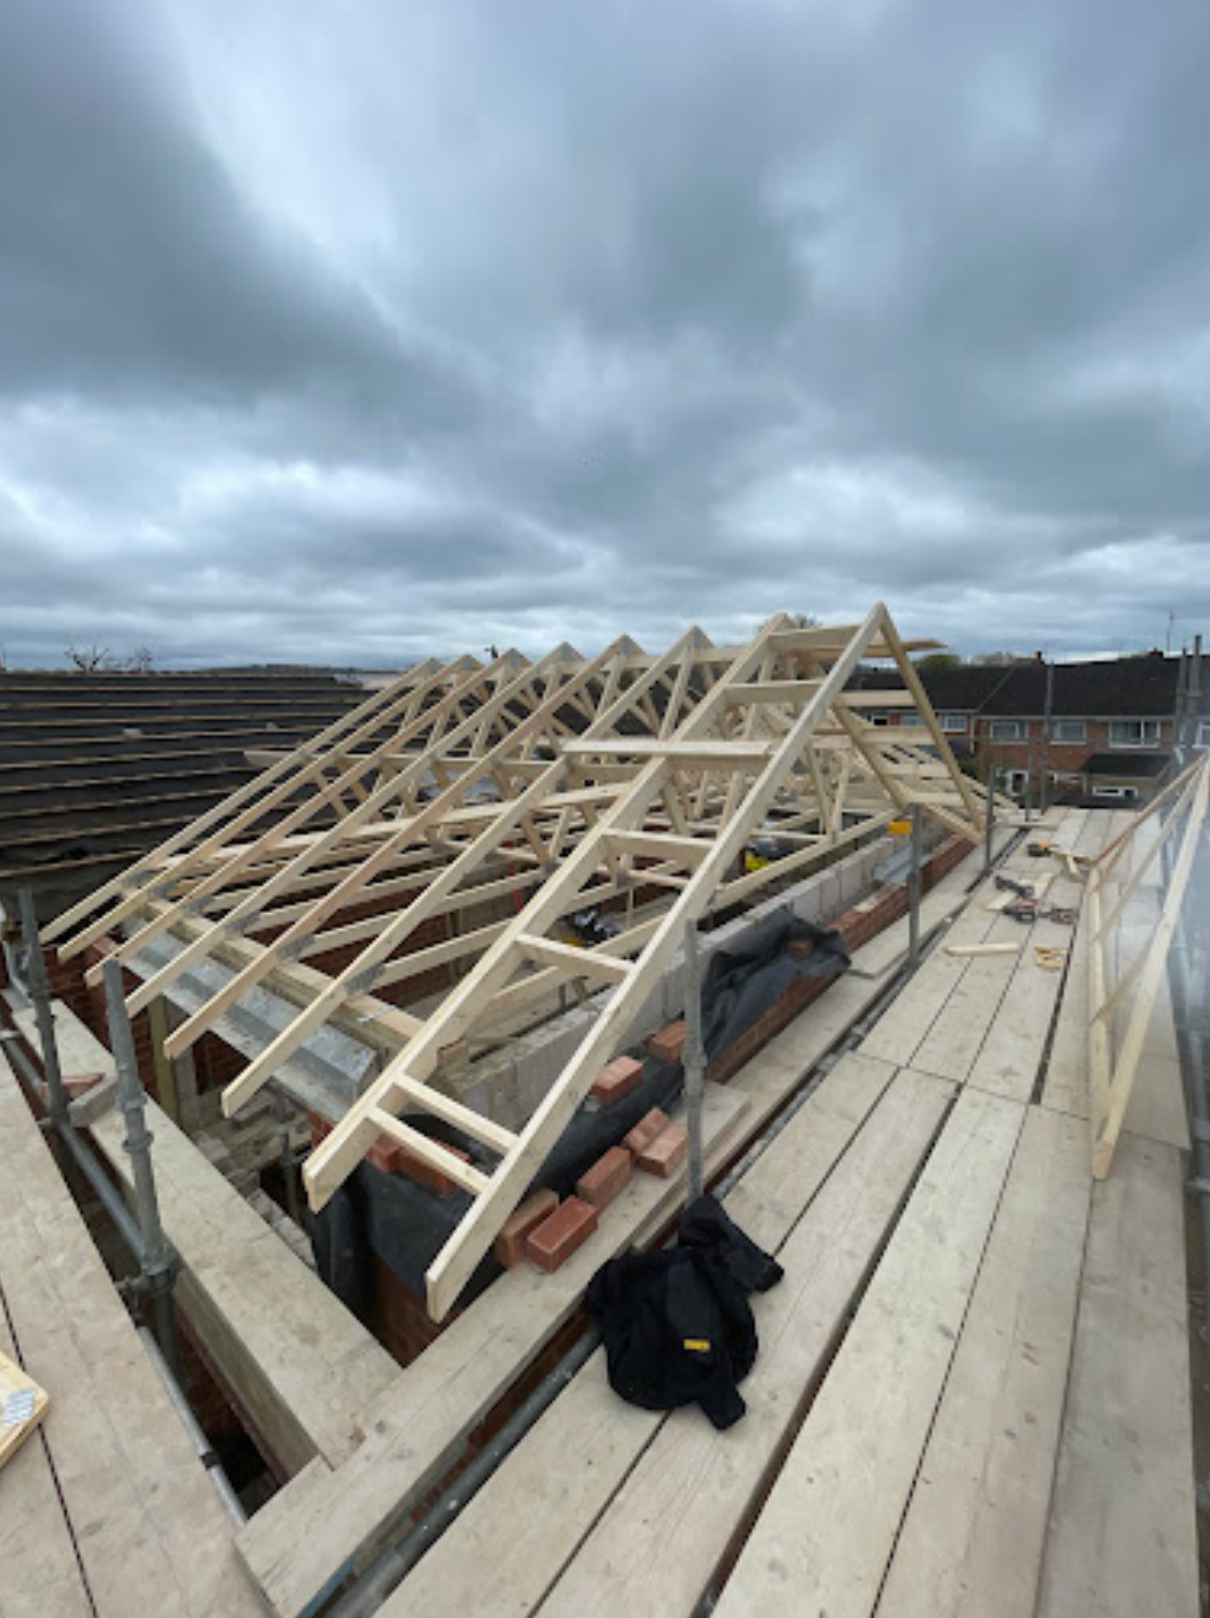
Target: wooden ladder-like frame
column 749, row 737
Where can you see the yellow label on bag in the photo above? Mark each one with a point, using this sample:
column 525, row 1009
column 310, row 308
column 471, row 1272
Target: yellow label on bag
column 699, row 1345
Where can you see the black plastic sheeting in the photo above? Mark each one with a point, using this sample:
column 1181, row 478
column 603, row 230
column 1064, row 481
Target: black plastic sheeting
column 406, row 1225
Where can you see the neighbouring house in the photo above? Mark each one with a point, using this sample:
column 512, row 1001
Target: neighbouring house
column 1112, row 723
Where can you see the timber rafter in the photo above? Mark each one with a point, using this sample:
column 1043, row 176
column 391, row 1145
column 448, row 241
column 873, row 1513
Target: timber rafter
column 539, row 789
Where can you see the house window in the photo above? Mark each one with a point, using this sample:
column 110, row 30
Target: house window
column 1005, row 730
column 1203, row 734
column 1134, row 732
column 1068, row 730
column 1015, row 782
column 953, row 722
column 1115, row 792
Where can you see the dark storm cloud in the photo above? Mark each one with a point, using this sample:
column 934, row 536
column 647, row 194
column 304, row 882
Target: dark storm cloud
column 367, row 331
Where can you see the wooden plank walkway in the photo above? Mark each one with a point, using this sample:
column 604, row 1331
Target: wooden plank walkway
column 827, row 1530
column 972, row 1395
column 680, row 1482
column 1123, row 1539
column 972, row 1539
column 38, row 1564
column 328, row 1520
column 106, row 1510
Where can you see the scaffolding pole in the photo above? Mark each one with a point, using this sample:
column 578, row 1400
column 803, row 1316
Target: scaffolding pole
column 693, row 1058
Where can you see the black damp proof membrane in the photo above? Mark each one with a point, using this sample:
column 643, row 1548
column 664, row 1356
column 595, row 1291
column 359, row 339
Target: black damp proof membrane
column 406, row 1225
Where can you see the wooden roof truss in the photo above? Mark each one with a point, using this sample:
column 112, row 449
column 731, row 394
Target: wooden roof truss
column 562, row 783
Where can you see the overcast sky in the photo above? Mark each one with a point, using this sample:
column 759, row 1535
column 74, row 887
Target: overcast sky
column 351, row 332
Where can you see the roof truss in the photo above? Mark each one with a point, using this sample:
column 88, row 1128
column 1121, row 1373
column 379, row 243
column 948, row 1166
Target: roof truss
column 559, row 784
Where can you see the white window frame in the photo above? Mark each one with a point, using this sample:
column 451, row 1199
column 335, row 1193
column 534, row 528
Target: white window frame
column 1148, row 733
column 1129, row 793
column 952, row 723
column 1004, row 730
column 1203, row 733
column 1016, row 782
column 1058, row 726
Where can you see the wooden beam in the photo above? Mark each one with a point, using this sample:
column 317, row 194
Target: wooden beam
column 1108, row 1108
column 429, row 1151
column 571, row 961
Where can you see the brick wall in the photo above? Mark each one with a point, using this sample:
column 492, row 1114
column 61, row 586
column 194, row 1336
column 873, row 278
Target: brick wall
column 334, row 961
column 397, row 1316
column 1066, row 758
column 857, row 926
column 215, row 1062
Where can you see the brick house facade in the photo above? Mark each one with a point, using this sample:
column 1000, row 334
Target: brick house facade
column 1112, row 723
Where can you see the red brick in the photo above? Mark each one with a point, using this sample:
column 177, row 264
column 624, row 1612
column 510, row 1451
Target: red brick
column 424, row 1174
column 561, row 1234
column 509, row 1246
column 645, row 1131
column 666, row 1046
column 383, row 1154
column 76, row 1084
column 608, row 1176
column 666, row 1152
column 616, row 1080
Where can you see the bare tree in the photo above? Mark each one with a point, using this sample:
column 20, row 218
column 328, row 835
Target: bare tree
column 100, row 660
column 89, row 659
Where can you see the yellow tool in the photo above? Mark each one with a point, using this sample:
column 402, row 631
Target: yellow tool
column 1051, row 959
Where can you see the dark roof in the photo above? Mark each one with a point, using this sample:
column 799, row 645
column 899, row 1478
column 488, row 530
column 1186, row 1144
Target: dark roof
column 97, row 768
column 1142, row 687
column 1130, row 766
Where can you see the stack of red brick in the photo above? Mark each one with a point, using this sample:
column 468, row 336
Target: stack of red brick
column 548, row 1231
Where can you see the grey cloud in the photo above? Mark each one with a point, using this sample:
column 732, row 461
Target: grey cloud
column 129, row 263
column 418, row 328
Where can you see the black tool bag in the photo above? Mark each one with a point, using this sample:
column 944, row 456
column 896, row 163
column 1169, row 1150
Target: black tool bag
column 677, row 1325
